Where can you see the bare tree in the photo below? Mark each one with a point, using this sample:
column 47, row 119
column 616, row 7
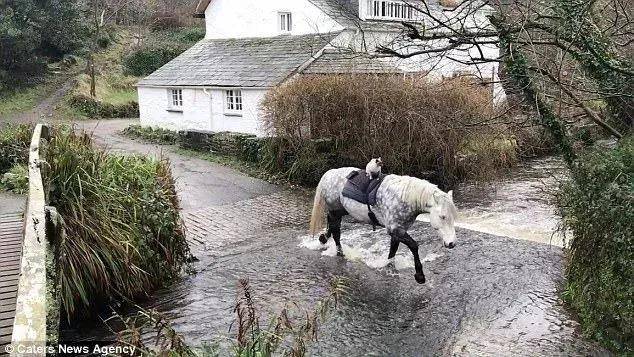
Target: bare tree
column 568, row 59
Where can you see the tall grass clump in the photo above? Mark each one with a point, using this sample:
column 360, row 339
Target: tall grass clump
column 124, row 235
column 14, row 145
column 597, row 205
column 417, row 127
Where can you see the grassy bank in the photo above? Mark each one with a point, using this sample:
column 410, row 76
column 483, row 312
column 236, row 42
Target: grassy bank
column 115, row 92
column 25, row 98
column 129, row 56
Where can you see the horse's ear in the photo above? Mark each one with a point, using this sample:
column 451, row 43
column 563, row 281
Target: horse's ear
column 450, row 194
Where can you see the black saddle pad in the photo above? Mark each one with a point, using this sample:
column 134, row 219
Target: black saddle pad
column 361, row 188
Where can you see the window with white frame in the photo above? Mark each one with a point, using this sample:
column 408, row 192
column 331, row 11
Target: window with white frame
column 286, row 21
column 175, row 98
column 233, row 101
column 388, row 9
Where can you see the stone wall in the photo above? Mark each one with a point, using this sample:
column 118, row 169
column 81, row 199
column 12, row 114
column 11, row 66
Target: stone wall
column 222, row 143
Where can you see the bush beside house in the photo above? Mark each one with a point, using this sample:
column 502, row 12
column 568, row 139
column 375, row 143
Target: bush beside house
column 433, row 130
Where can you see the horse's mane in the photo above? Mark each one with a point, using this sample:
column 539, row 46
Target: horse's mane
column 420, row 193
column 416, row 191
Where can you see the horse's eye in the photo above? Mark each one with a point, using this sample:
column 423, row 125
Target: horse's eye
column 443, row 217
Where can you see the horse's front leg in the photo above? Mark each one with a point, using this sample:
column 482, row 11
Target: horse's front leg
column 403, row 237
column 394, row 242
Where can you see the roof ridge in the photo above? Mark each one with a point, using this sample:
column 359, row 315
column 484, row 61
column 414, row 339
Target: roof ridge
column 284, row 36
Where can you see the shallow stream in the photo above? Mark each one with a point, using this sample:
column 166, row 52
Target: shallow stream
column 491, row 295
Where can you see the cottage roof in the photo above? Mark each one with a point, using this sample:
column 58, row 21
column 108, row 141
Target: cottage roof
column 340, row 62
column 248, row 62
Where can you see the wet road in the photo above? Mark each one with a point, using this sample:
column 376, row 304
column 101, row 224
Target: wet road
column 491, row 295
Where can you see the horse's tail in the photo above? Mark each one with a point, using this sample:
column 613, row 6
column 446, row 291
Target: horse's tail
column 319, row 208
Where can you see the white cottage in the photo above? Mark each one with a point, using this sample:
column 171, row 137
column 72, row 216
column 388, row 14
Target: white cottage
column 252, row 46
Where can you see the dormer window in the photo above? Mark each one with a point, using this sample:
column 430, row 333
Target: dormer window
column 286, row 22
column 391, row 10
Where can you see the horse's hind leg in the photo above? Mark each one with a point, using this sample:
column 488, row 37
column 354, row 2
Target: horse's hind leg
column 405, row 238
column 334, row 229
column 323, row 238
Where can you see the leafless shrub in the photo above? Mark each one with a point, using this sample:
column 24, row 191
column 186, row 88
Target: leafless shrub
column 417, row 127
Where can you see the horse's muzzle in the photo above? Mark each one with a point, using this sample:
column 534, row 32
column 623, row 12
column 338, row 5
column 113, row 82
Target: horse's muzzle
column 450, row 245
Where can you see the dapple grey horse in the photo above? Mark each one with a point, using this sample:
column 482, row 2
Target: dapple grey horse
column 399, row 200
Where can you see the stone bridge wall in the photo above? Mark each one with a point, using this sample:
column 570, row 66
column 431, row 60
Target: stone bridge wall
column 37, row 314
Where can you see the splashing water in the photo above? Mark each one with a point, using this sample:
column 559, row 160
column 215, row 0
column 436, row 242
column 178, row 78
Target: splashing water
column 366, row 246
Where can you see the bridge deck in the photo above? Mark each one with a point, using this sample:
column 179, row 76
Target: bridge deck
column 11, row 235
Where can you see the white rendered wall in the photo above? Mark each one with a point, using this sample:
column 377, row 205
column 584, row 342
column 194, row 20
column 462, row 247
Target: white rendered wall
column 201, row 111
column 249, row 122
column 259, row 18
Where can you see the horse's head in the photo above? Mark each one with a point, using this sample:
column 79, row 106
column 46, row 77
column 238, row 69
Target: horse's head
column 442, row 216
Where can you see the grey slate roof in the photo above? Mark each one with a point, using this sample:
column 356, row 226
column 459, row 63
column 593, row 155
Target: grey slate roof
column 250, row 62
column 337, row 62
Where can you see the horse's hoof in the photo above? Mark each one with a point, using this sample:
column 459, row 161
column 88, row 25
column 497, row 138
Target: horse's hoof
column 340, row 253
column 323, row 239
column 420, row 278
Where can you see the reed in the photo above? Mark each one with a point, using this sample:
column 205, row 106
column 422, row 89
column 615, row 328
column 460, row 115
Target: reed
column 124, row 235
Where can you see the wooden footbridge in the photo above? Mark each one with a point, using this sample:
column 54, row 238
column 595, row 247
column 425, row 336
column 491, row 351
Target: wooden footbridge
column 11, row 236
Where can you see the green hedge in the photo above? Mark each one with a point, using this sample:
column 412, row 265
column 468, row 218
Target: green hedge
column 598, row 206
column 147, row 60
column 97, row 109
column 154, row 135
column 300, row 162
column 161, row 48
